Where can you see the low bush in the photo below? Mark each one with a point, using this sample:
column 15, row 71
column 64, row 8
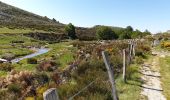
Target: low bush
column 6, row 67
column 78, row 43
column 26, row 76
column 5, row 95
column 162, row 44
column 17, row 41
column 139, row 60
column 139, row 53
column 56, row 77
column 32, row 61
column 15, row 88
column 47, row 66
column 166, row 44
column 41, row 78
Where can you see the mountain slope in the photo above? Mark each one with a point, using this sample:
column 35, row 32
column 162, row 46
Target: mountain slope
column 17, row 18
column 13, row 17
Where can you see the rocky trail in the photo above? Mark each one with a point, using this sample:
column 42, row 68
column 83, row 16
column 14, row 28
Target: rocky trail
column 150, row 75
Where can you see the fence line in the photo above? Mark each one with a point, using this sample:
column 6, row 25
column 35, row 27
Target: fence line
column 131, row 50
column 111, row 74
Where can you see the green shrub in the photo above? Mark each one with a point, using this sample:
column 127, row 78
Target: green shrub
column 6, row 67
column 41, row 78
column 143, row 48
column 139, row 60
column 5, row 95
column 139, row 53
column 32, row 61
column 105, row 33
column 15, row 88
column 47, row 66
column 17, row 41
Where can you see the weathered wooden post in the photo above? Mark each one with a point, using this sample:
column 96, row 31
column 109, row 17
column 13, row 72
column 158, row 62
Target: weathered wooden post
column 134, row 50
column 51, row 94
column 111, row 74
column 124, row 65
column 130, row 52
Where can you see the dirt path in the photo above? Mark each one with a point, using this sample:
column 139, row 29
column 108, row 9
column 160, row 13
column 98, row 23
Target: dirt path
column 152, row 85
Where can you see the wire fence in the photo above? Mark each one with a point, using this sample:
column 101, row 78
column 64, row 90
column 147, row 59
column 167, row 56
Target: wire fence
column 130, row 53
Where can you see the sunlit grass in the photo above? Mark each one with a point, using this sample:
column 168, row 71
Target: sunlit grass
column 165, row 73
column 130, row 90
column 7, row 30
column 3, row 73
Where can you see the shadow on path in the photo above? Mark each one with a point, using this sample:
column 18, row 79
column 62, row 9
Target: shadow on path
column 158, row 76
column 144, row 87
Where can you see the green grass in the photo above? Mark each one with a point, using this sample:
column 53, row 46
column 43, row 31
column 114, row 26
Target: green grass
column 3, row 73
column 7, row 30
column 130, row 90
column 17, row 49
column 66, row 56
column 63, row 53
column 17, row 52
column 165, row 73
column 22, row 66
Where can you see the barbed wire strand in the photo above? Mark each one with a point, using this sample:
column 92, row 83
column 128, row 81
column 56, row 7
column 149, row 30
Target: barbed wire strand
column 71, row 98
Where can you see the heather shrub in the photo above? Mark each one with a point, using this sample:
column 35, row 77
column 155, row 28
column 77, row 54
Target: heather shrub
column 17, row 41
column 6, row 67
column 15, row 88
column 78, row 43
column 56, row 77
column 32, row 61
column 41, row 78
column 144, row 48
column 139, row 60
column 47, row 66
column 5, row 95
column 139, row 53
column 26, row 76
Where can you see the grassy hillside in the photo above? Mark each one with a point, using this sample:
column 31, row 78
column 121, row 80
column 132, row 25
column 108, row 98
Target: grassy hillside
column 17, row 18
column 8, row 30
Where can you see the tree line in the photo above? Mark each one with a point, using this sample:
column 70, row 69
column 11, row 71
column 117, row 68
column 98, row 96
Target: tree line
column 109, row 33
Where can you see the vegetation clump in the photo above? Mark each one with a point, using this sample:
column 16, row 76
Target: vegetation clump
column 32, row 61
column 70, row 30
column 105, row 33
column 47, row 66
column 15, row 88
column 6, row 67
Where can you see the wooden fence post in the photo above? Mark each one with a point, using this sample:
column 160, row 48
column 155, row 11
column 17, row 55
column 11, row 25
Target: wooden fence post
column 111, row 74
column 134, row 50
column 51, row 94
column 130, row 52
column 124, row 65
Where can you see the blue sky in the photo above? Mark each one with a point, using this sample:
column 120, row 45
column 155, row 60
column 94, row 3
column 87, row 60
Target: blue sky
column 153, row 15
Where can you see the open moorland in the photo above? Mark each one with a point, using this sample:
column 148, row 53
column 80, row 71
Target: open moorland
column 38, row 53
